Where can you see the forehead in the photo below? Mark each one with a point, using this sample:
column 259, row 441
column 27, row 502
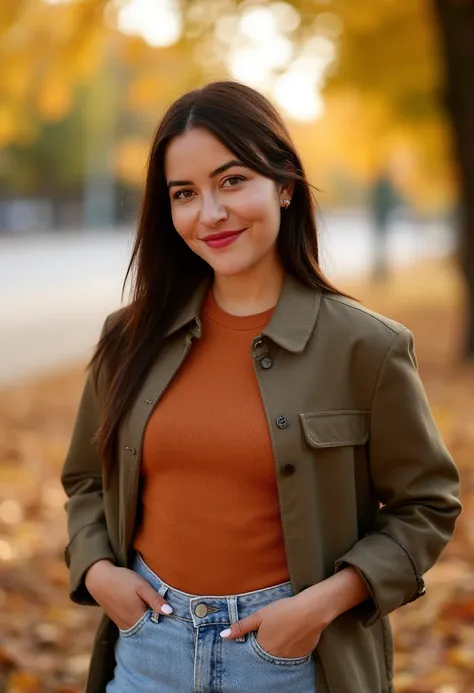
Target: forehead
column 195, row 152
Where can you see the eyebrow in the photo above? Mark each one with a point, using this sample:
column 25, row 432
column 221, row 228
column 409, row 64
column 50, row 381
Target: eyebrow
column 220, row 169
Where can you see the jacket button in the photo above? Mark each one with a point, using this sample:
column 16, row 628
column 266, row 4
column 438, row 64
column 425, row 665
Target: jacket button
column 282, row 421
column 132, row 451
column 267, row 362
column 288, row 469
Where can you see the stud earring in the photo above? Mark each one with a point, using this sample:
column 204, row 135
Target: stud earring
column 286, row 203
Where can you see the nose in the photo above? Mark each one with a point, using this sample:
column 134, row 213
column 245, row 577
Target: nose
column 212, row 210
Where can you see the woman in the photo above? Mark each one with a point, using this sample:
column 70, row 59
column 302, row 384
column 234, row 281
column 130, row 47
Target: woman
column 255, row 479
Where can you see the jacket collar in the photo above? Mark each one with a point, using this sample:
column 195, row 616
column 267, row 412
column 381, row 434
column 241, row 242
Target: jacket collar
column 191, row 311
column 295, row 315
column 290, row 326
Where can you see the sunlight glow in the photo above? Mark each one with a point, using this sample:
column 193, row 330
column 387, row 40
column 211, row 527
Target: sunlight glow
column 295, row 92
column 320, row 50
column 253, row 42
column 286, row 16
column 328, row 24
column 257, row 50
column 246, row 66
column 258, row 23
column 226, row 28
column 254, row 64
column 158, row 22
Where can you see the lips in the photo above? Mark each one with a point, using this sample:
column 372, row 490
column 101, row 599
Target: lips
column 222, row 234
column 222, row 239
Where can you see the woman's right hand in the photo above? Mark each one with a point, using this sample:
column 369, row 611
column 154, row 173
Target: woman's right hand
column 123, row 594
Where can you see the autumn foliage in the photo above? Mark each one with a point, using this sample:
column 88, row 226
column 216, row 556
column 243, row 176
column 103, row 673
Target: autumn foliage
column 70, row 79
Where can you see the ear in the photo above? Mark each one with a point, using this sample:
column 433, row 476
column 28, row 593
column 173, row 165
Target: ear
column 286, row 190
column 286, row 193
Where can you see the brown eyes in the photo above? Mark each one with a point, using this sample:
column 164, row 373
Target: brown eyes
column 180, row 195
column 186, row 193
column 235, row 178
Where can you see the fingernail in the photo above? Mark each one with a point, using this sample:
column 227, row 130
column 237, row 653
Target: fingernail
column 166, row 609
column 225, row 633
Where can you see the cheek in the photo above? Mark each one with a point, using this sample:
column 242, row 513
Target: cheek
column 260, row 205
column 182, row 221
column 263, row 208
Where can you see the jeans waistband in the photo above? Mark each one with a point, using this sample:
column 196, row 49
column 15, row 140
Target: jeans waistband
column 204, row 610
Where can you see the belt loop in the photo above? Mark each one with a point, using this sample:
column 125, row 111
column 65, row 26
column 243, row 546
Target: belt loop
column 234, row 614
column 162, row 590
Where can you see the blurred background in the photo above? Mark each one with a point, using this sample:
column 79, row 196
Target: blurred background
column 379, row 98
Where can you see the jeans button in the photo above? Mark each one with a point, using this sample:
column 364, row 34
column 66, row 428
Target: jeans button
column 201, row 610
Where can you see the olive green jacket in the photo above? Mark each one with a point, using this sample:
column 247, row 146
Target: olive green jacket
column 364, row 478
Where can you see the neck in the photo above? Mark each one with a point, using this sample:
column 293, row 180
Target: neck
column 250, row 292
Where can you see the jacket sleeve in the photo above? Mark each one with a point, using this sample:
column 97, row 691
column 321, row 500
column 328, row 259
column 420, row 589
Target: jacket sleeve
column 415, row 481
column 81, row 478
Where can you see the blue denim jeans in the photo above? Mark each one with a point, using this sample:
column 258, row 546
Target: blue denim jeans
column 184, row 653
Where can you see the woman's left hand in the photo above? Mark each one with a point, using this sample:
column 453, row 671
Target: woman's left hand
column 285, row 628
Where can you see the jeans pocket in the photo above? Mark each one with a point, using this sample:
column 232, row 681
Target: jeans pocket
column 128, row 632
column 266, row 656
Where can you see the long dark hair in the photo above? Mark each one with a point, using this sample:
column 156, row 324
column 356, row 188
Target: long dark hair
column 165, row 271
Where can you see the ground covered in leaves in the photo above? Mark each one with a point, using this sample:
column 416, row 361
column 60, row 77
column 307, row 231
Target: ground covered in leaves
column 45, row 640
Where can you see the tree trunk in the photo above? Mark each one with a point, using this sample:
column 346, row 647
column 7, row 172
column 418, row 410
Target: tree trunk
column 456, row 19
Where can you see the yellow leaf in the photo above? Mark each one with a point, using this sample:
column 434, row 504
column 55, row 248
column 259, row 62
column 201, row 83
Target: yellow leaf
column 24, row 682
column 8, row 126
column 130, row 159
column 144, row 91
column 54, row 97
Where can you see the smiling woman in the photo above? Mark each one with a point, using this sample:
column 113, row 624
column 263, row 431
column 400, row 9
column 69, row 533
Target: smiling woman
column 255, row 479
column 218, row 202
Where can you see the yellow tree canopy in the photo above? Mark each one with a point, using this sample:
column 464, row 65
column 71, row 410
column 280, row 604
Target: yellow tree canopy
column 47, row 49
column 382, row 86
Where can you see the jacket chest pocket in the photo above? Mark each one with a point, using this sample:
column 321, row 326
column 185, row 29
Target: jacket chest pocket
column 336, row 429
column 337, row 475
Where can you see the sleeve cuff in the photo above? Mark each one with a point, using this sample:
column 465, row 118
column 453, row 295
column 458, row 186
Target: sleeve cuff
column 388, row 571
column 91, row 544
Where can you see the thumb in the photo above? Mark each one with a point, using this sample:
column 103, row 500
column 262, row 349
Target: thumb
column 243, row 626
column 153, row 599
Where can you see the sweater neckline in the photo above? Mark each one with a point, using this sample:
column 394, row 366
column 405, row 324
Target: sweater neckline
column 234, row 322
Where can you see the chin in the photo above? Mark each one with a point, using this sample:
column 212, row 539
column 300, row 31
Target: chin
column 230, row 269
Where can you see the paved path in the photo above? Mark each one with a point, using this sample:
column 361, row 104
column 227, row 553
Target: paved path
column 56, row 289
column 56, row 293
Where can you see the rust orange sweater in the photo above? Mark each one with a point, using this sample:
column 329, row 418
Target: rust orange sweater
column 210, row 520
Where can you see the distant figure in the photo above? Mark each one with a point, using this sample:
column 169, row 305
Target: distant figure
column 384, row 200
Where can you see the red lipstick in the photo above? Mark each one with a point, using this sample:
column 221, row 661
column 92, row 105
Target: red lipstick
column 221, row 239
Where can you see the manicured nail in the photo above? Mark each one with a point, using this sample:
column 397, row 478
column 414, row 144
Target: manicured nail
column 225, row 633
column 166, row 609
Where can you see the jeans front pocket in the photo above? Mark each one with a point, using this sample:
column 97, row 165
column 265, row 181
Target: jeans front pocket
column 133, row 630
column 267, row 657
